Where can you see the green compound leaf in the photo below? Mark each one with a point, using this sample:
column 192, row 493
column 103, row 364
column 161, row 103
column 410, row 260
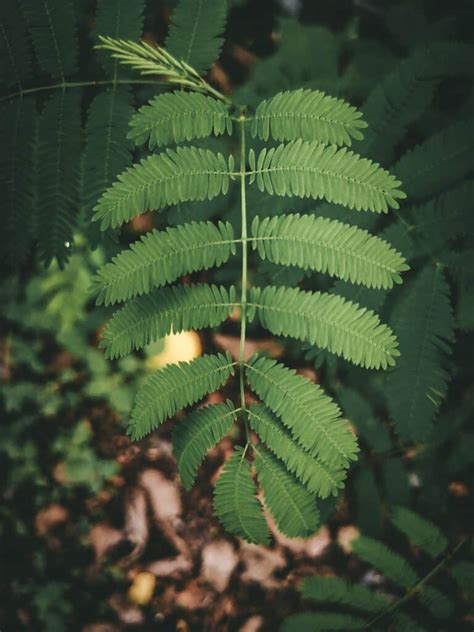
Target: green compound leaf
column 198, row 433
column 174, row 387
column 312, row 417
column 324, row 245
column 328, row 321
column 187, row 173
column 179, row 308
column 310, row 115
column 161, row 257
column 310, row 169
column 236, row 503
column 314, row 474
column 177, row 117
column 291, row 505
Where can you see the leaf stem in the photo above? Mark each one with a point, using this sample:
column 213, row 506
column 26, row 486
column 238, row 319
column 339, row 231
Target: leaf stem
column 79, row 84
column 243, row 296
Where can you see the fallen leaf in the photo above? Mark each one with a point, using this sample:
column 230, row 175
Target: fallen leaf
column 170, row 567
column 49, row 517
column 260, row 564
column 194, row 597
column 253, row 624
column 103, row 537
column 345, row 536
column 136, row 523
column 218, row 562
column 315, row 546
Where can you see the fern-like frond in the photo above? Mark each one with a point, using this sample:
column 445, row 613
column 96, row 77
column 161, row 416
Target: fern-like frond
column 174, row 309
column 439, row 604
column 18, row 125
column 320, row 244
column 438, row 162
column 359, row 412
column 322, row 622
column 403, row 623
column 442, row 219
column 310, row 169
column 390, row 564
column 236, row 503
column 53, row 29
column 292, row 506
column 312, row 417
column 119, row 19
column 423, row 322
column 198, row 433
column 58, row 174
column 108, row 152
column 161, row 257
column 335, row 590
column 309, row 115
column 313, row 473
column 174, row 387
column 179, row 116
column 403, row 94
column 15, row 53
column 187, row 173
column 426, row 535
column 327, row 321
column 196, row 32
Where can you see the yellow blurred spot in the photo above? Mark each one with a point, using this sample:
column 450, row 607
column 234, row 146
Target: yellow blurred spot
column 181, row 347
column 142, row 588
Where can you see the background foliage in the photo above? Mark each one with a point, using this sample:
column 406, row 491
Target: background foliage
column 65, row 114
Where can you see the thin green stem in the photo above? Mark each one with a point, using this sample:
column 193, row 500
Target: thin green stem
column 243, row 296
column 78, row 84
column 418, row 587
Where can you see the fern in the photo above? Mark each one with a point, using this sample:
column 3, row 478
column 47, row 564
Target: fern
column 235, row 501
column 195, row 34
column 178, row 308
column 291, row 505
column 404, row 94
column 312, row 417
column 316, row 621
column 327, row 321
column 438, row 162
column 18, row 169
column 323, row 245
column 120, row 19
column 309, row 169
column 374, row 610
column 188, row 173
column 15, row 54
column 307, row 114
column 421, row 532
column 424, row 323
column 58, row 203
column 161, row 257
column 107, row 152
column 390, row 564
column 338, row 591
column 199, row 432
column 53, row 31
column 179, row 116
column 442, row 219
column 313, row 473
column 310, row 446
column 175, row 387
